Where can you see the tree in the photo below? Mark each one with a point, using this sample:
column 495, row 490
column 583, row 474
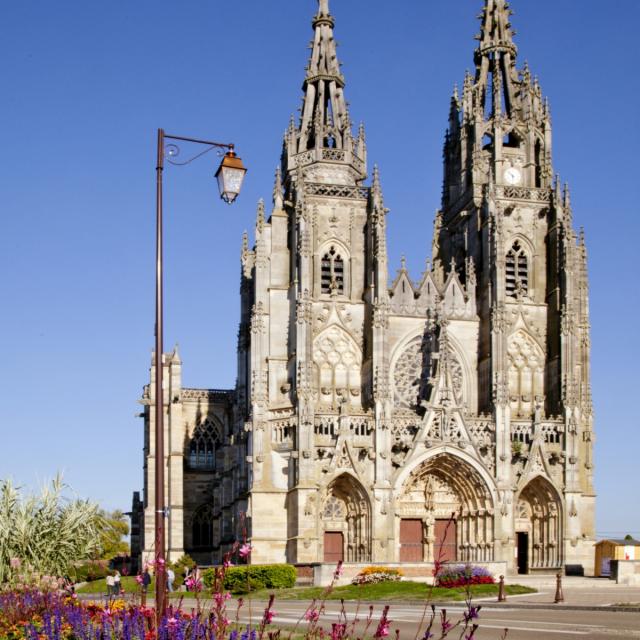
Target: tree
column 115, row 528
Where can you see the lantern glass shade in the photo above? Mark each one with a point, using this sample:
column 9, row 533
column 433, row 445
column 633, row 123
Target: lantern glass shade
column 230, row 176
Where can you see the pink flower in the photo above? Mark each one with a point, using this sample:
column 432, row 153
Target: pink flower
column 339, row 570
column 337, row 630
column 193, row 585
column 245, row 550
column 268, row 616
column 227, row 563
column 312, row 615
column 383, row 626
column 15, row 563
column 172, row 624
column 139, row 579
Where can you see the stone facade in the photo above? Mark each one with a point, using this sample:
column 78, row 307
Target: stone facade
column 367, row 412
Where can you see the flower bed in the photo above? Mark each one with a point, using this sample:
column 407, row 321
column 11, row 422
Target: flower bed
column 374, row 575
column 461, row 575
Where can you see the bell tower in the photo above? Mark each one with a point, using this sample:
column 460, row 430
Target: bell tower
column 306, row 353
column 503, row 210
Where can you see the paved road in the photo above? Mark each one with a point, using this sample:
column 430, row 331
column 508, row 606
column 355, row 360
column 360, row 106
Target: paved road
column 523, row 624
column 528, row 617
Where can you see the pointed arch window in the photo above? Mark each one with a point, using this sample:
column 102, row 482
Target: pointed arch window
column 332, row 272
column 202, row 448
column 517, row 271
column 202, row 528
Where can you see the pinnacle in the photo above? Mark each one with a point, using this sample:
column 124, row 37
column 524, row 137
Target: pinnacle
column 260, row 215
column 277, row 189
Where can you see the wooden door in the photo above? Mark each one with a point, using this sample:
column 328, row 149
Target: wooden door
column 333, row 546
column 411, row 541
column 445, row 546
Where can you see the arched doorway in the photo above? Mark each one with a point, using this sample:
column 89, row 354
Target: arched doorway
column 446, row 513
column 538, row 527
column 346, row 522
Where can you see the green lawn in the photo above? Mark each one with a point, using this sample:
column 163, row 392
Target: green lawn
column 387, row 591
column 391, row 591
column 129, row 584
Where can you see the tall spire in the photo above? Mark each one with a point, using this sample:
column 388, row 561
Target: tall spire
column 496, row 55
column 324, row 132
column 325, row 118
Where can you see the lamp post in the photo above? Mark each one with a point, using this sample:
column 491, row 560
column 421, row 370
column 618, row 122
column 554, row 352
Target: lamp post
column 230, row 175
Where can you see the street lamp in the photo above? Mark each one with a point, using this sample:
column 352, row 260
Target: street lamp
column 230, row 175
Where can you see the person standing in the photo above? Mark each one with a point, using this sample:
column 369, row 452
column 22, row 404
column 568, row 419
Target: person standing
column 171, row 576
column 117, row 584
column 110, row 585
column 146, row 580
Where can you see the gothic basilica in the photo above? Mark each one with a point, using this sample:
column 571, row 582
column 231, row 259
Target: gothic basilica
column 444, row 417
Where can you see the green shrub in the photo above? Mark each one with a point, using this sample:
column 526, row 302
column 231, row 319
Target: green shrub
column 259, row 576
column 208, row 577
column 241, row 582
column 179, row 566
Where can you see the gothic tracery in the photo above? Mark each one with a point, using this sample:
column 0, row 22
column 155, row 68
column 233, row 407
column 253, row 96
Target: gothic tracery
column 526, row 373
column 337, row 360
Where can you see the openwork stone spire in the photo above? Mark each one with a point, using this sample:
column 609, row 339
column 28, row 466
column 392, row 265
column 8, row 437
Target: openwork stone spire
column 500, row 126
column 325, row 118
column 324, row 132
column 496, row 56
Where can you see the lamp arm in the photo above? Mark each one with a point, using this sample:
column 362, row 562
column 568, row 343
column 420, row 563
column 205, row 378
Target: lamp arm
column 220, row 145
column 211, row 146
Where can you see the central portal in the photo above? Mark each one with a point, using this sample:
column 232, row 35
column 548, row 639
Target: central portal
column 446, row 513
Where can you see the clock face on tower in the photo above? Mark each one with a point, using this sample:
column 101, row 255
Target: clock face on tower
column 512, row 176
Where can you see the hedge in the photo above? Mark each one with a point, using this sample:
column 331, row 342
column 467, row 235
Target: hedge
column 254, row 577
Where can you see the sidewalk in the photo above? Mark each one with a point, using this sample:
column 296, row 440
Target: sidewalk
column 587, row 593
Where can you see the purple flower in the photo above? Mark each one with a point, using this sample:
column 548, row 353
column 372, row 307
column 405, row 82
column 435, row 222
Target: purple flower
column 473, row 613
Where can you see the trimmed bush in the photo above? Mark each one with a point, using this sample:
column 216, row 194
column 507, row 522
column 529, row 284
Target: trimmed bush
column 462, row 575
column 259, row 576
column 208, row 577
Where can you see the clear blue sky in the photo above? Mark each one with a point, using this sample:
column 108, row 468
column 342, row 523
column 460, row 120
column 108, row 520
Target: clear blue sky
column 86, row 84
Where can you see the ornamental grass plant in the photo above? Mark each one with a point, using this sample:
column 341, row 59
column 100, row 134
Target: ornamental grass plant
column 45, row 534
